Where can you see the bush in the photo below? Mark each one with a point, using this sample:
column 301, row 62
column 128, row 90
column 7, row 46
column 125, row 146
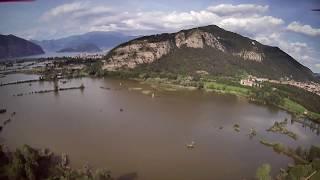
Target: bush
column 314, row 153
column 29, row 164
column 279, row 148
column 316, row 164
column 267, row 95
column 307, row 99
column 95, row 69
column 263, row 172
column 299, row 171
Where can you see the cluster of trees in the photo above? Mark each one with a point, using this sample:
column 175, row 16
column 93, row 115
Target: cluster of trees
column 267, row 95
column 95, row 68
column 309, row 167
column 307, row 99
column 27, row 163
column 263, row 172
column 302, row 170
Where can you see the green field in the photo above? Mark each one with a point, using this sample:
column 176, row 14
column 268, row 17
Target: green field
column 229, row 89
column 298, row 109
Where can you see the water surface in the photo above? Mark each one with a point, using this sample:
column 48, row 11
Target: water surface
column 148, row 138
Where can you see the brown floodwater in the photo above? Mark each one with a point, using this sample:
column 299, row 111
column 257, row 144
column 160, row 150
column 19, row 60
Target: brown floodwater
column 148, row 138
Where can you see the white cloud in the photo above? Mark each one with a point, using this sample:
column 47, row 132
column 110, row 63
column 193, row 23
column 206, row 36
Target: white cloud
column 76, row 9
column 254, row 24
column 64, row 9
column 303, row 29
column 301, row 51
column 227, row 9
column 243, row 18
column 93, row 11
column 173, row 21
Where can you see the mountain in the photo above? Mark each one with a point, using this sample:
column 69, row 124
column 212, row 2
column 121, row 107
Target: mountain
column 13, row 46
column 209, row 48
column 86, row 47
column 104, row 40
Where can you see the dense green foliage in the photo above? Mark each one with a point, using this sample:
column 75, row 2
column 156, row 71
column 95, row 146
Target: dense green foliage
column 307, row 99
column 95, row 69
column 314, row 153
column 31, row 164
column 230, row 89
column 267, row 95
column 307, row 162
column 299, row 171
column 263, row 172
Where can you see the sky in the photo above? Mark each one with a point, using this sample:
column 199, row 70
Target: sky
column 292, row 25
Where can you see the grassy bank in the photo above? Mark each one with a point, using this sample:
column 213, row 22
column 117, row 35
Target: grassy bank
column 298, row 110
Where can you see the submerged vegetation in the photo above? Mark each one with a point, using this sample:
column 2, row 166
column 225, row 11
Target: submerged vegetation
column 3, row 111
column 263, row 172
column 280, row 148
column 236, row 127
column 55, row 90
column 280, row 127
column 307, row 163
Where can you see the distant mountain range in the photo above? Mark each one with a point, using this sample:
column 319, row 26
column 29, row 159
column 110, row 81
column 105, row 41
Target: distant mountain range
column 208, row 49
column 103, row 40
column 86, row 47
column 13, row 46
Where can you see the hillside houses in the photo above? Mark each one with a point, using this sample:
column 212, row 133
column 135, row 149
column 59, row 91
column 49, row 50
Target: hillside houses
column 257, row 82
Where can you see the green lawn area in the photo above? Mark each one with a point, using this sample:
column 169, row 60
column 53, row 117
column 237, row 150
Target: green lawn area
column 293, row 106
column 298, row 109
column 224, row 88
column 287, row 104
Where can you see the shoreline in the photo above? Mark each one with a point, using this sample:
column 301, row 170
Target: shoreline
column 205, row 84
column 315, row 117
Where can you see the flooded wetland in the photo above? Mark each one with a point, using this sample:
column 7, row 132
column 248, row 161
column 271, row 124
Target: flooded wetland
column 142, row 131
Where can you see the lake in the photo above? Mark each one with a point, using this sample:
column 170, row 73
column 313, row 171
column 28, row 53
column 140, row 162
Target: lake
column 52, row 54
column 148, row 138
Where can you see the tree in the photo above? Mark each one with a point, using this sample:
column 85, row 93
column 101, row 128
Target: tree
column 263, row 172
column 56, row 85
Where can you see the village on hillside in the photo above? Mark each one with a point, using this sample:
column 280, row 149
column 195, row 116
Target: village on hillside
column 310, row 86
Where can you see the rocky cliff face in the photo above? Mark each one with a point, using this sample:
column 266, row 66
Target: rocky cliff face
column 225, row 50
column 198, row 39
column 12, row 46
column 142, row 51
column 136, row 53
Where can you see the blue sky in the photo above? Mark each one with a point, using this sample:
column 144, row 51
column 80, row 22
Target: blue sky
column 289, row 24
